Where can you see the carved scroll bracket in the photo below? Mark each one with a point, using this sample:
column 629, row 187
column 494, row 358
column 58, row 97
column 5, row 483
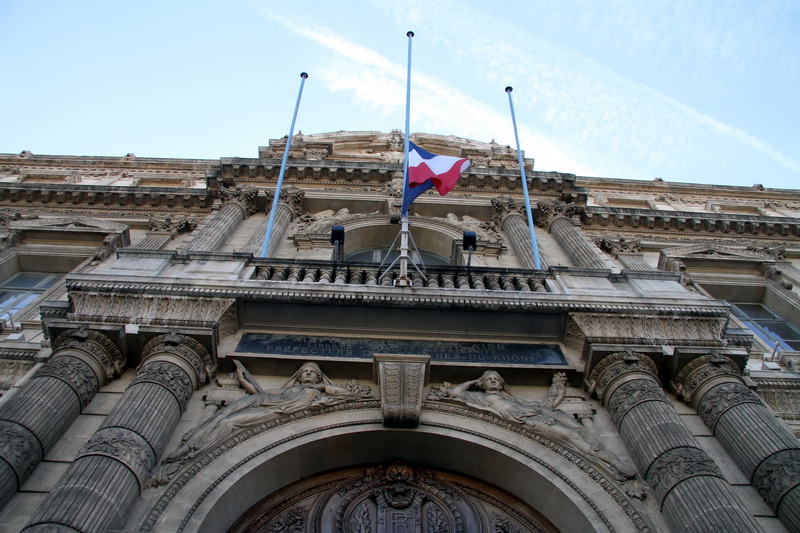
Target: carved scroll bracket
column 402, row 379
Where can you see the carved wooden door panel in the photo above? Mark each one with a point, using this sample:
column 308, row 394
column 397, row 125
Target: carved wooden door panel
column 395, row 498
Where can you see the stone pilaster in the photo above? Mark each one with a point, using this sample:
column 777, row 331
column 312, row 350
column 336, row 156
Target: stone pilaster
column 100, row 487
column 510, row 217
column 556, row 217
column 33, row 420
column 237, row 205
column 690, row 488
column 758, row 442
column 289, row 206
column 626, row 251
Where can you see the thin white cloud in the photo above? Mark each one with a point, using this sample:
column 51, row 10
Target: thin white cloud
column 380, row 83
column 575, row 91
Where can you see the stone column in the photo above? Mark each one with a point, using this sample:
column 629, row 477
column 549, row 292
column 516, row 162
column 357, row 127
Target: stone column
column 34, row 418
column 237, row 205
column 691, row 491
column 511, row 218
column 289, row 206
column 766, row 451
column 99, row 489
column 556, row 217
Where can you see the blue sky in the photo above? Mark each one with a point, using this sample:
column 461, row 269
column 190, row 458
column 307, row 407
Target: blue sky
column 701, row 91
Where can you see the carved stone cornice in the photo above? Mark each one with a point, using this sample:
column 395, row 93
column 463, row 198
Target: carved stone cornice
column 678, row 465
column 124, row 446
column 698, row 373
column 619, row 328
column 122, row 308
column 402, row 379
column 549, row 212
column 630, row 365
column 690, row 221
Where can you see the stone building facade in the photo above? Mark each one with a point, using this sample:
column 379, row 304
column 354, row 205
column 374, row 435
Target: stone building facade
column 158, row 375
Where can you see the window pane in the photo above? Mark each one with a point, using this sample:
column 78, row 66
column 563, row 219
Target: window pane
column 26, row 280
column 780, row 329
column 756, row 311
column 9, row 298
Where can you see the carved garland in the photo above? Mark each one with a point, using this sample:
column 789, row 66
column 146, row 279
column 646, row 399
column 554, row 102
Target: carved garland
column 125, row 446
column 678, row 465
column 168, row 375
column 75, row 373
column 631, row 394
column 723, row 397
column 777, row 475
column 19, row 448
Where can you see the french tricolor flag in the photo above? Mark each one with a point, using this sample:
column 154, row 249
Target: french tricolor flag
column 426, row 170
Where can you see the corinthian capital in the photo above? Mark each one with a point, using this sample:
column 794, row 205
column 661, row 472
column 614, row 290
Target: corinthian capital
column 551, row 211
column 245, row 197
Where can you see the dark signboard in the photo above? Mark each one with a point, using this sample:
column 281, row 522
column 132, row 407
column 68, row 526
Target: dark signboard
column 456, row 352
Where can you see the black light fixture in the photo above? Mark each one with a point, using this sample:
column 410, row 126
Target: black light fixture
column 337, row 240
column 469, row 243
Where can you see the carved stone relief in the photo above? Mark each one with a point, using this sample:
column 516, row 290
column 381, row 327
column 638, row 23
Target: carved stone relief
column 490, row 393
column 401, row 378
column 393, row 498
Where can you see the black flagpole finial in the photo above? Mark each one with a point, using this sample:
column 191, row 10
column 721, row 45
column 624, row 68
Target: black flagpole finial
column 303, row 75
column 410, row 34
column 509, row 89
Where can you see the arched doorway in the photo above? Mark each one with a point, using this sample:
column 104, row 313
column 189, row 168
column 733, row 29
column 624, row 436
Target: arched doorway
column 214, row 491
column 391, row 498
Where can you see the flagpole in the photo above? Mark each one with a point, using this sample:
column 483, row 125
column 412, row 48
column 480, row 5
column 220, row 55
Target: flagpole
column 403, row 280
column 524, row 184
column 278, row 185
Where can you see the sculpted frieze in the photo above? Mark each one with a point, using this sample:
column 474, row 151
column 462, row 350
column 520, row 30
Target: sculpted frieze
column 120, row 307
column 619, row 326
column 490, row 393
column 308, row 388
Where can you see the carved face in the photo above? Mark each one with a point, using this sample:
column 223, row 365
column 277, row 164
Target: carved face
column 309, row 373
column 491, row 382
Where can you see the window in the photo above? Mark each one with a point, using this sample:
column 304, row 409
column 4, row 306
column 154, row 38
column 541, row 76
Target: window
column 768, row 326
column 387, row 256
column 21, row 290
